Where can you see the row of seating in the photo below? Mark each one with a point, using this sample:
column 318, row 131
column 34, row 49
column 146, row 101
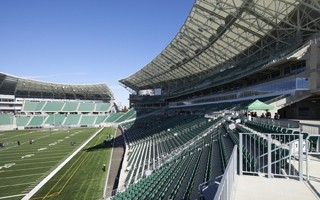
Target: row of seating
column 153, row 145
column 162, row 140
column 270, row 128
column 250, row 162
column 128, row 115
column 178, row 178
column 6, row 119
column 60, row 106
column 288, row 134
column 223, row 152
column 279, row 153
column 56, row 119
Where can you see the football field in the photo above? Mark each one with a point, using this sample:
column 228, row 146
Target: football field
column 30, row 155
column 84, row 177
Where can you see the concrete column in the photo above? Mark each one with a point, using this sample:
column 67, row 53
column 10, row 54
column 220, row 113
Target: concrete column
column 313, row 64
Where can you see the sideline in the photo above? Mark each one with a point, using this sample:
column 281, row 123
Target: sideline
column 56, row 170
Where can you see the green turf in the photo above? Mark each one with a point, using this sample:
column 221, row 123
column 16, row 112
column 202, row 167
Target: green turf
column 49, row 149
column 82, row 177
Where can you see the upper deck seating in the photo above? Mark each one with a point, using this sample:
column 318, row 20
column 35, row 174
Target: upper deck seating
column 70, row 107
column 30, row 106
column 86, row 107
column 52, row 106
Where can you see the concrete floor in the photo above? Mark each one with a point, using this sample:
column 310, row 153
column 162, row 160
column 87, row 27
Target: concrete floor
column 255, row 187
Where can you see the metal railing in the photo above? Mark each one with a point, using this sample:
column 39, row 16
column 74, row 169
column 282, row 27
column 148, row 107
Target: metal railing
column 227, row 183
column 273, row 155
column 210, row 130
column 312, row 129
column 226, row 186
column 281, row 122
column 313, row 147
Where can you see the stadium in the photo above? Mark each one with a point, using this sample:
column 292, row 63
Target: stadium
column 230, row 109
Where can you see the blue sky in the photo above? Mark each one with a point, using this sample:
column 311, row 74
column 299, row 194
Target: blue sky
column 86, row 41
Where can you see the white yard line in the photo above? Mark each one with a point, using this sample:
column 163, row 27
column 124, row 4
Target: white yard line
column 26, row 169
column 10, row 147
column 13, row 136
column 16, row 185
column 56, row 170
column 17, row 195
column 34, row 158
column 65, row 147
column 9, row 177
column 38, row 153
column 32, row 163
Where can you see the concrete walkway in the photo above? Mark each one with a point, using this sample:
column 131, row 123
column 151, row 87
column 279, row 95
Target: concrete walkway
column 314, row 173
column 115, row 164
column 255, row 187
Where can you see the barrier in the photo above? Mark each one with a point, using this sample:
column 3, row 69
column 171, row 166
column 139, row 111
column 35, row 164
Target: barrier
column 274, row 155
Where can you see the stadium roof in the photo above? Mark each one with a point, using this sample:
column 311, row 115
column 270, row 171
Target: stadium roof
column 26, row 88
column 221, row 34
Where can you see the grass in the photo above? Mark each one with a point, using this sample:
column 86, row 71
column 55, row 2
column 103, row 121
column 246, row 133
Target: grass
column 83, row 177
column 32, row 162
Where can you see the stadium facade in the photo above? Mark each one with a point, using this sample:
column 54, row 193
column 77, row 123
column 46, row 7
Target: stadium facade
column 184, row 135
column 227, row 54
column 26, row 103
column 228, row 51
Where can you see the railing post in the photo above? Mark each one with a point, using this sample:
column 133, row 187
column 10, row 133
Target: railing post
column 300, row 157
column 269, row 155
column 307, row 157
column 235, row 165
column 240, row 154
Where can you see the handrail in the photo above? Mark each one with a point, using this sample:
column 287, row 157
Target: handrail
column 227, row 183
column 169, row 157
column 315, row 152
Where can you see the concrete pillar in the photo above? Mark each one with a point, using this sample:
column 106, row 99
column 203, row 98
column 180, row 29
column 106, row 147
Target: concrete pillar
column 313, row 64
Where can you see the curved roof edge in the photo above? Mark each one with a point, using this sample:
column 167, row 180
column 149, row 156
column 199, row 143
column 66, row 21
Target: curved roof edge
column 221, row 34
column 28, row 88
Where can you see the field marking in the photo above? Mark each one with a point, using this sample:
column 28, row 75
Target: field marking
column 56, row 150
column 13, row 136
column 10, row 177
column 26, row 169
column 39, row 138
column 46, row 179
column 74, row 171
column 7, row 165
column 72, row 174
column 64, row 175
column 7, row 197
column 36, row 158
column 40, row 156
column 27, row 156
column 34, row 163
column 99, row 139
column 16, row 185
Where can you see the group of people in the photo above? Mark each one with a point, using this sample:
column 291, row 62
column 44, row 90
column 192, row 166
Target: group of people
column 266, row 114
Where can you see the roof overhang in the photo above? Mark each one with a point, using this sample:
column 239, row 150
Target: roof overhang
column 219, row 34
